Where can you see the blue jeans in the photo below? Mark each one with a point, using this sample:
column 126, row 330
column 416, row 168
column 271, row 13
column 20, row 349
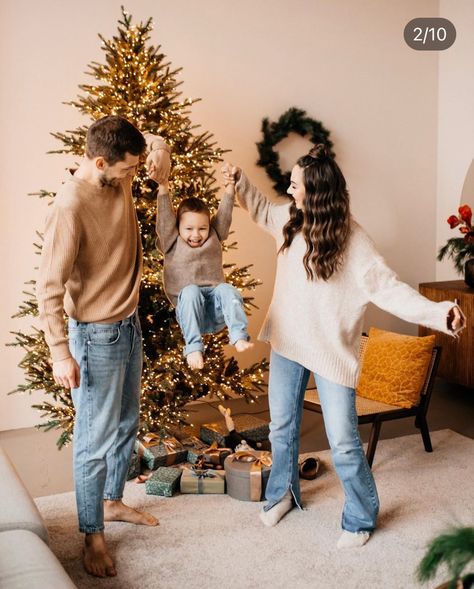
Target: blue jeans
column 208, row 309
column 107, row 412
column 287, row 385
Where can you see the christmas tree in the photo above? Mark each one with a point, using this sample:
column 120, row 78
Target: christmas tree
column 137, row 82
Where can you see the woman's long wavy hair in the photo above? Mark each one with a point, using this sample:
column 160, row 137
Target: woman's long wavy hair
column 325, row 220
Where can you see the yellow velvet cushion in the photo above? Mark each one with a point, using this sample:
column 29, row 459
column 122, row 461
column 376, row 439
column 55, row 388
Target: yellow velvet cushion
column 394, row 367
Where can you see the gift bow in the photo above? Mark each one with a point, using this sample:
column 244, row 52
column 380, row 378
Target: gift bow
column 214, row 453
column 202, row 474
column 171, row 446
column 256, row 463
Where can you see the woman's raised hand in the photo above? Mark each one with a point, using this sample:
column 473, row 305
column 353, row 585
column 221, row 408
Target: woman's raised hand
column 230, row 173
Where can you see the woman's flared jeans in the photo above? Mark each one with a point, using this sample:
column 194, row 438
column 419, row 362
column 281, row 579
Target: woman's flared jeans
column 287, row 385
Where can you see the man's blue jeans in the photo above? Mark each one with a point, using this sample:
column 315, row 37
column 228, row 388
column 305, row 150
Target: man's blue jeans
column 107, row 412
column 208, row 309
column 287, row 385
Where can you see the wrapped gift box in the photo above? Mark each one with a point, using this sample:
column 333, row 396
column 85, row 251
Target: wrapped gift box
column 133, row 467
column 157, row 451
column 247, row 474
column 251, row 428
column 164, row 481
column 194, row 480
column 210, row 455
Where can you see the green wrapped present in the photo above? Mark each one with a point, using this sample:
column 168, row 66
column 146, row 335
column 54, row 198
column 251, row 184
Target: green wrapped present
column 133, row 467
column 164, row 481
column 195, row 480
column 157, row 451
column 251, row 428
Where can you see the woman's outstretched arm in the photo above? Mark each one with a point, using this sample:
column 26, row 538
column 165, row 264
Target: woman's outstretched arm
column 269, row 215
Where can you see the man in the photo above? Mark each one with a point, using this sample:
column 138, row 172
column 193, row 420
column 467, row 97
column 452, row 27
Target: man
column 91, row 266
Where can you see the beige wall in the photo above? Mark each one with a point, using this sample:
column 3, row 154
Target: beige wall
column 343, row 61
column 455, row 123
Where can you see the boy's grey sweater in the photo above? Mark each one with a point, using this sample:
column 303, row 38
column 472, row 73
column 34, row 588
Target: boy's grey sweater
column 318, row 324
column 183, row 264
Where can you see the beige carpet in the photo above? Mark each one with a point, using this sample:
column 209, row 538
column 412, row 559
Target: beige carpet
column 213, row 541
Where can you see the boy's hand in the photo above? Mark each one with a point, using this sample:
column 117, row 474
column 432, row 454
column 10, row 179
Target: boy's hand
column 158, row 164
column 230, row 174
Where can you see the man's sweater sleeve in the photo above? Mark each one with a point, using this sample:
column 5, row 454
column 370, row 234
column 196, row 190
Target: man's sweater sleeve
column 270, row 216
column 223, row 219
column 383, row 288
column 166, row 229
column 60, row 248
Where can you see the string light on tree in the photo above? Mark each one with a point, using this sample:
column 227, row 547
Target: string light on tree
column 137, row 82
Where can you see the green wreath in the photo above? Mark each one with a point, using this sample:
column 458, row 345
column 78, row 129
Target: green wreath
column 294, row 120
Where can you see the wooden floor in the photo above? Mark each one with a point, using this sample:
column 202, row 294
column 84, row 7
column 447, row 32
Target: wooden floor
column 46, row 471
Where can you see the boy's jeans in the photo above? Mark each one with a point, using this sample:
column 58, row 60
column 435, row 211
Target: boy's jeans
column 287, row 385
column 208, row 309
column 107, row 411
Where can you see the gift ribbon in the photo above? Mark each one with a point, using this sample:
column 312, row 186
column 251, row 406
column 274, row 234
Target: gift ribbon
column 256, row 463
column 201, row 475
column 213, row 453
column 171, row 445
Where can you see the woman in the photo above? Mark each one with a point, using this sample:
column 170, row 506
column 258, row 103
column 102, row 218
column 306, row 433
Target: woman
column 328, row 270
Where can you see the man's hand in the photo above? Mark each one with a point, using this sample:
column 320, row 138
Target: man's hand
column 230, row 173
column 66, row 373
column 158, row 164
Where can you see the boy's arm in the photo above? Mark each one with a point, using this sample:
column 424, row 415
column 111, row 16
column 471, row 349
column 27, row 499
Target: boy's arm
column 223, row 218
column 166, row 229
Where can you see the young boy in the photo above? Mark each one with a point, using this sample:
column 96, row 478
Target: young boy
column 194, row 280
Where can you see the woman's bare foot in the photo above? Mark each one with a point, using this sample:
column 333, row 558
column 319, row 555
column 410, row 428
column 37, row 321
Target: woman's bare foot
column 117, row 511
column 241, row 345
column 229, row 422
column 97, row 561
column 142, row 478
column 195, row 360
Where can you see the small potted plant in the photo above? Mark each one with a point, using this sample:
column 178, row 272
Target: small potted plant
column 456, row 550
column 461, row 249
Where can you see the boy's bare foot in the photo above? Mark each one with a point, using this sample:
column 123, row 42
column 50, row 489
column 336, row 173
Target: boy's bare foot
column 195, row 360
column 229, row 422
column 241, row 345
column 97, row 561
column 117, row 511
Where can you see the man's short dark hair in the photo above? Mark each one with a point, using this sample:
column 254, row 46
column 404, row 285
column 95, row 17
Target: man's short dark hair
column 112, row 138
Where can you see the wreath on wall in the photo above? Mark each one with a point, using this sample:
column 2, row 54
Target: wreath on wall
column 294, row 120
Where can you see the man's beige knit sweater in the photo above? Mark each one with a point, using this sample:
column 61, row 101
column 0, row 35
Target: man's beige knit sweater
column 317, row 323
column 91, row 263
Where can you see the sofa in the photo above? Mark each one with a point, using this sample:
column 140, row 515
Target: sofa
column 26, row 560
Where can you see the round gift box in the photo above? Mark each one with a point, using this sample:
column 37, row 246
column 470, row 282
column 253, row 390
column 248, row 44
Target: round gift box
column 237, row 476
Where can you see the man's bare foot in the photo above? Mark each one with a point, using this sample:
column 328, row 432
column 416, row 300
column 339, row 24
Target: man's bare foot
column 229, row 422
column 117, row 511
column 195, row 360
column 97, row 561
column 241, row 345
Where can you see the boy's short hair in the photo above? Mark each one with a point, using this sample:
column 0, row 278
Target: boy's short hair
column 112, row 137
column 192, row 205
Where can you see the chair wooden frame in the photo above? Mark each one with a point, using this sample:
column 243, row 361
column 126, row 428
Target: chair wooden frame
column 382, row 412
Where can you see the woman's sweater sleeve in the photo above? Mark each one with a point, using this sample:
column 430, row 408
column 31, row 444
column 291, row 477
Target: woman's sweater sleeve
column 270, row 216
column 59, row 252
column 383, row 288
column 166, row 229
